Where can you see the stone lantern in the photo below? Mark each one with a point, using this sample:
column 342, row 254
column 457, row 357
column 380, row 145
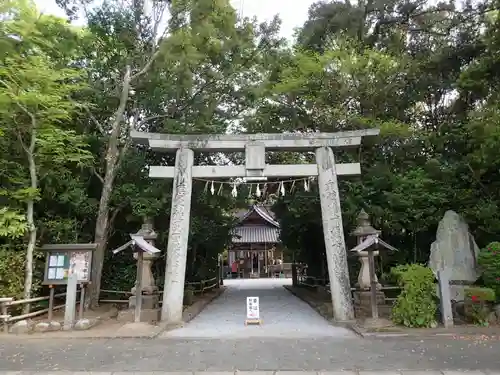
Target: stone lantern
column 144, row 305
column 370, row 295
column 363, row 230
column 149, row 289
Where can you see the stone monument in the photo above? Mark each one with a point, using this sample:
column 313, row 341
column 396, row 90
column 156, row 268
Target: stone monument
column 456, row 251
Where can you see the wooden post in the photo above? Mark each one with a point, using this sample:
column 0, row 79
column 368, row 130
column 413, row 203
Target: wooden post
column 373, row 283
column 219, row 270
column 51, row 303
column 138, row 288
column 5, row 313
column 294, row 275
column 266, row 262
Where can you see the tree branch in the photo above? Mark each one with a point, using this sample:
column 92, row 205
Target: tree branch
column 146, row 67
column 113, row 217
column 115, row 128
column 94, row 120
column 31, row 147
column 94, row 171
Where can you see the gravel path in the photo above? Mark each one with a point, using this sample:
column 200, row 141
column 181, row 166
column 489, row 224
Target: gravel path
column 283, row 315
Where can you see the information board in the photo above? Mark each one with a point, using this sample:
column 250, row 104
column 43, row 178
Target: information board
column 57, row 269
column 79, row 263
column 253, row 311
column 66, row 259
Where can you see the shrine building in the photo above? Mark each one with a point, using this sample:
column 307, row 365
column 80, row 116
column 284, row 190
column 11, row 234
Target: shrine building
column 256, row 246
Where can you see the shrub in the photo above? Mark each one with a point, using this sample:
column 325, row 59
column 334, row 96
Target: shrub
column 489, row 262
column 11, row 273
column 476, row 304
column 12, row 268
column 416, row 305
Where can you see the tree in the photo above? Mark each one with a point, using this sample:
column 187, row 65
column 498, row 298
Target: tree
column 396, row 66
column 35, row 98
column 196, row 76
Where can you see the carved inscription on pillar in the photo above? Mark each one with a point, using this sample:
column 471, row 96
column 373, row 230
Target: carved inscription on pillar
column 334, row 235
column 178, row 235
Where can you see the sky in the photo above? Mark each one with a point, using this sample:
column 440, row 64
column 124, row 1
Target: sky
column 293, row 13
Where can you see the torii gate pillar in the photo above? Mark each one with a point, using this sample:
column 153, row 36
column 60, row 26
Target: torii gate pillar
column 333, row 231
column 178, row 235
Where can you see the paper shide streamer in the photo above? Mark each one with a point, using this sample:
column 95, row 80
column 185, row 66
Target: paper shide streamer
column 258, row 189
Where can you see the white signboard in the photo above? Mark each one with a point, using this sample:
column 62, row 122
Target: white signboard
column 253, row 312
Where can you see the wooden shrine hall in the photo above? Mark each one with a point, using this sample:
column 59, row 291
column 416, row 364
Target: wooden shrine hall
column 256, row 246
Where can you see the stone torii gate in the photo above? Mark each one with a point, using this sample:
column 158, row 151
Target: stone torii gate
column 255, row 168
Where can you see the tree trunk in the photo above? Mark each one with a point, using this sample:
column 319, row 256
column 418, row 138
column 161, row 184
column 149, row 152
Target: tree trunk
column 102, row 222
column 101, row 227
column 30, row 219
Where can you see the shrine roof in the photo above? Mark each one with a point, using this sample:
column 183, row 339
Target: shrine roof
column 247, row 230
column 256, row 234
column 264, row 212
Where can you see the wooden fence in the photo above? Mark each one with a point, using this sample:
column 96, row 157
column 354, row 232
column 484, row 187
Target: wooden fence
column 7, row 303
column 314, row 282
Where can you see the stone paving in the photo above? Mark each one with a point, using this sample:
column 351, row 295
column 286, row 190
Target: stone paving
column 283, row 314
column 216, row 341
column 252, row 354
column 261, row 373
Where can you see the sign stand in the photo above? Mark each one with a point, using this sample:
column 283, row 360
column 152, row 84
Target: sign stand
column 253, row 311
column 68, row 264
column 69, row 309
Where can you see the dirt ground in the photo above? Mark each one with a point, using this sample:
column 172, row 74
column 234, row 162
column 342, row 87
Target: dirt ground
column 459, row 331
column 109, row 327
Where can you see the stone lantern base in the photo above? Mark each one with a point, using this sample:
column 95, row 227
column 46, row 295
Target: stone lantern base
column 148, row 302
column 151, row 316
column 362, row 303
column 150, row 310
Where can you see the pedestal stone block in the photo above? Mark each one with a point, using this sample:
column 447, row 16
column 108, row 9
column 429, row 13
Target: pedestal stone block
column 151, row 316
column 362, row 302
column 148, row 302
